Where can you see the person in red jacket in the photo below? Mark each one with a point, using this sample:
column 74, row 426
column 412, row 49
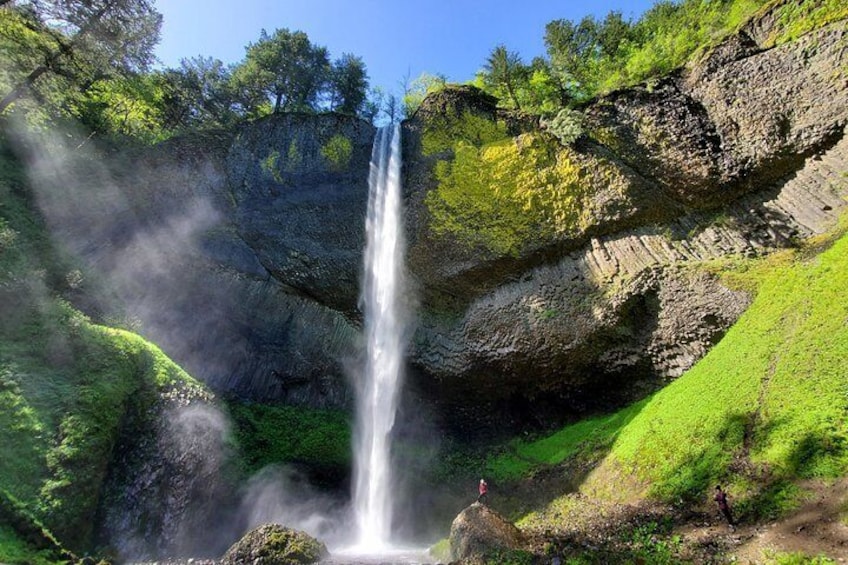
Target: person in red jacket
column 483, row 489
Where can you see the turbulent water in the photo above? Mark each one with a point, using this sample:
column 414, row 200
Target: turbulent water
column 384, row 328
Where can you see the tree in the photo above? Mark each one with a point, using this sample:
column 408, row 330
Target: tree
column 504, row 70
column 348, row 84
column 200, row 92
column 287, row 68
column 414, row 92
column 392, row 108
column 86, row 40
column 573, row 51
column 373, row 104
column 612, row 33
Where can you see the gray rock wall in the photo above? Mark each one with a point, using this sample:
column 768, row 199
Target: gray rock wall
column 240, row 253
column 740, row 154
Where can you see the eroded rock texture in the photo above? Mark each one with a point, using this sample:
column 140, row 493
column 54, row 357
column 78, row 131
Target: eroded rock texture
column 740, row 154
column 240, row 253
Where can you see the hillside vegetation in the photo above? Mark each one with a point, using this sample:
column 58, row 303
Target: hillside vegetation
column 66, row 385
column 596, row 56
column 764, row 409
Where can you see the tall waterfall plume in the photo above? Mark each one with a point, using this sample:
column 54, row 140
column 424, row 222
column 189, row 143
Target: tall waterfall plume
column 378, row 393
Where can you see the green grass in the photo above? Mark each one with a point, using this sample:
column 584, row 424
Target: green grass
column 773, row 392
column 797, row 558
column 584, row 439
column 269, row 434
column 14, row 551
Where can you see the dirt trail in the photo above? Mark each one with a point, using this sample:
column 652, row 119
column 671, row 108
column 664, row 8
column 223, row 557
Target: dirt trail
column 818, row 527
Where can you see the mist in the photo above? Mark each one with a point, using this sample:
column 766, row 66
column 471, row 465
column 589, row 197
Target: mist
column 137, row 225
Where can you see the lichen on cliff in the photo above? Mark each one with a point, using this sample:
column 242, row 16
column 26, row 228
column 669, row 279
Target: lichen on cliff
column 337, row 152
column 502, row 195
column 443, row 133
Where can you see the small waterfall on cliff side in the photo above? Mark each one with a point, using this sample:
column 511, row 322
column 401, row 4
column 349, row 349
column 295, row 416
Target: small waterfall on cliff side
column 384, row 329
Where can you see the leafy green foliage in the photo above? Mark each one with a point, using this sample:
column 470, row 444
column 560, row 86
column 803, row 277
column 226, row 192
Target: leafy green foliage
column 510, row 557
column 650, row 544
column 415, row 92
column 503, row 71
column 198, row 94
column 287, row 434
column 14, row 550
column 595, row 56
column 348, row 84
column 337, row 152
column 287, row 68
column 797, row 558
column 567, row 125
column 83, row 41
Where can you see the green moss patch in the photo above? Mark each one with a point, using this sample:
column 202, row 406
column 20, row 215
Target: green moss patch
column 337, row 152
column 269, row 434
column 507, row 194
column 65, row 383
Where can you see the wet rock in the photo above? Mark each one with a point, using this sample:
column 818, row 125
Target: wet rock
column 478, row 531
column 273, row 544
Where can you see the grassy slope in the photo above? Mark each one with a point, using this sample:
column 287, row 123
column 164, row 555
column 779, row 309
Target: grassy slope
column 768, row 405
column 65, row 384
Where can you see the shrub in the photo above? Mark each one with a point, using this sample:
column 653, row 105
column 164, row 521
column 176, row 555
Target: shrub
column 567, row 125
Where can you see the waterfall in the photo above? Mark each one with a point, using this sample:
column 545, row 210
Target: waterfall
column 384, row 328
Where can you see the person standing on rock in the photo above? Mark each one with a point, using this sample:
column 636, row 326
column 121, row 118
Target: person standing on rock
column 483, row 490
column 721, row 499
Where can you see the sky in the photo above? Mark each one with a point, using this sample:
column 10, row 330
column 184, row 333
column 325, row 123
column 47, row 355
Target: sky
column 396, row 39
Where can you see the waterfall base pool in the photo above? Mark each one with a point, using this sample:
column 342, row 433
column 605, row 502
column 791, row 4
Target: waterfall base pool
column 388, row 556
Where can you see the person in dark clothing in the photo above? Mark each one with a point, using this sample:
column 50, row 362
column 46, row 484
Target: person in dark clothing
column 721, row 499
column 483, row 490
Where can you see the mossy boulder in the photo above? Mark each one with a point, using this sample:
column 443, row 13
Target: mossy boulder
column 479, row 531
column 273, row 544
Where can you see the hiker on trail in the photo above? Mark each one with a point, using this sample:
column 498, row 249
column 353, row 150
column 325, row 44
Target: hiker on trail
column 483, row 489
column 721, row 499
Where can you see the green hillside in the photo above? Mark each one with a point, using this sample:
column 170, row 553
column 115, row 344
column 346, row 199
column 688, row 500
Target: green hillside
column 66, row 385
column 766, row 407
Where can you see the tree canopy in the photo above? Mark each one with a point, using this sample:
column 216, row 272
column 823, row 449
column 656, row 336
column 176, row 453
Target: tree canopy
column 81, row 40
column 91, row 60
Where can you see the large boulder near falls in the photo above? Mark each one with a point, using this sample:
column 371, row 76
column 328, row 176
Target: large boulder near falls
column 273, row 544
column 478, row 531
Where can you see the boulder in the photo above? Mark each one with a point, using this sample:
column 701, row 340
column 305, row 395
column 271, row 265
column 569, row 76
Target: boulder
column 478, row 530
column 273, row 544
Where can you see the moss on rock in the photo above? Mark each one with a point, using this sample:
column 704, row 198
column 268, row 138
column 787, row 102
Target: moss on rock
column 506, row 194
column 273, row 544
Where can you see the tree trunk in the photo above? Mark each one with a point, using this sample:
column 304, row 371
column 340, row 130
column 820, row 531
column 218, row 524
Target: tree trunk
column 64, row 49
column 19, row 90
column 512, row 95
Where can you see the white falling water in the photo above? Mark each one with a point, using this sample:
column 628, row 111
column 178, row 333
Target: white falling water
column 384, row 328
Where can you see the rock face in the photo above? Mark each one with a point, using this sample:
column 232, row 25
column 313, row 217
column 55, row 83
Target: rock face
column 237, row 253
column 552, row 279
column 166, row 486
column 741, row 154
column 273, row 544
column 479, row 531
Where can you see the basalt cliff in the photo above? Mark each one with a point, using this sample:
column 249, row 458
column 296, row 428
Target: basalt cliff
column 548, row 279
